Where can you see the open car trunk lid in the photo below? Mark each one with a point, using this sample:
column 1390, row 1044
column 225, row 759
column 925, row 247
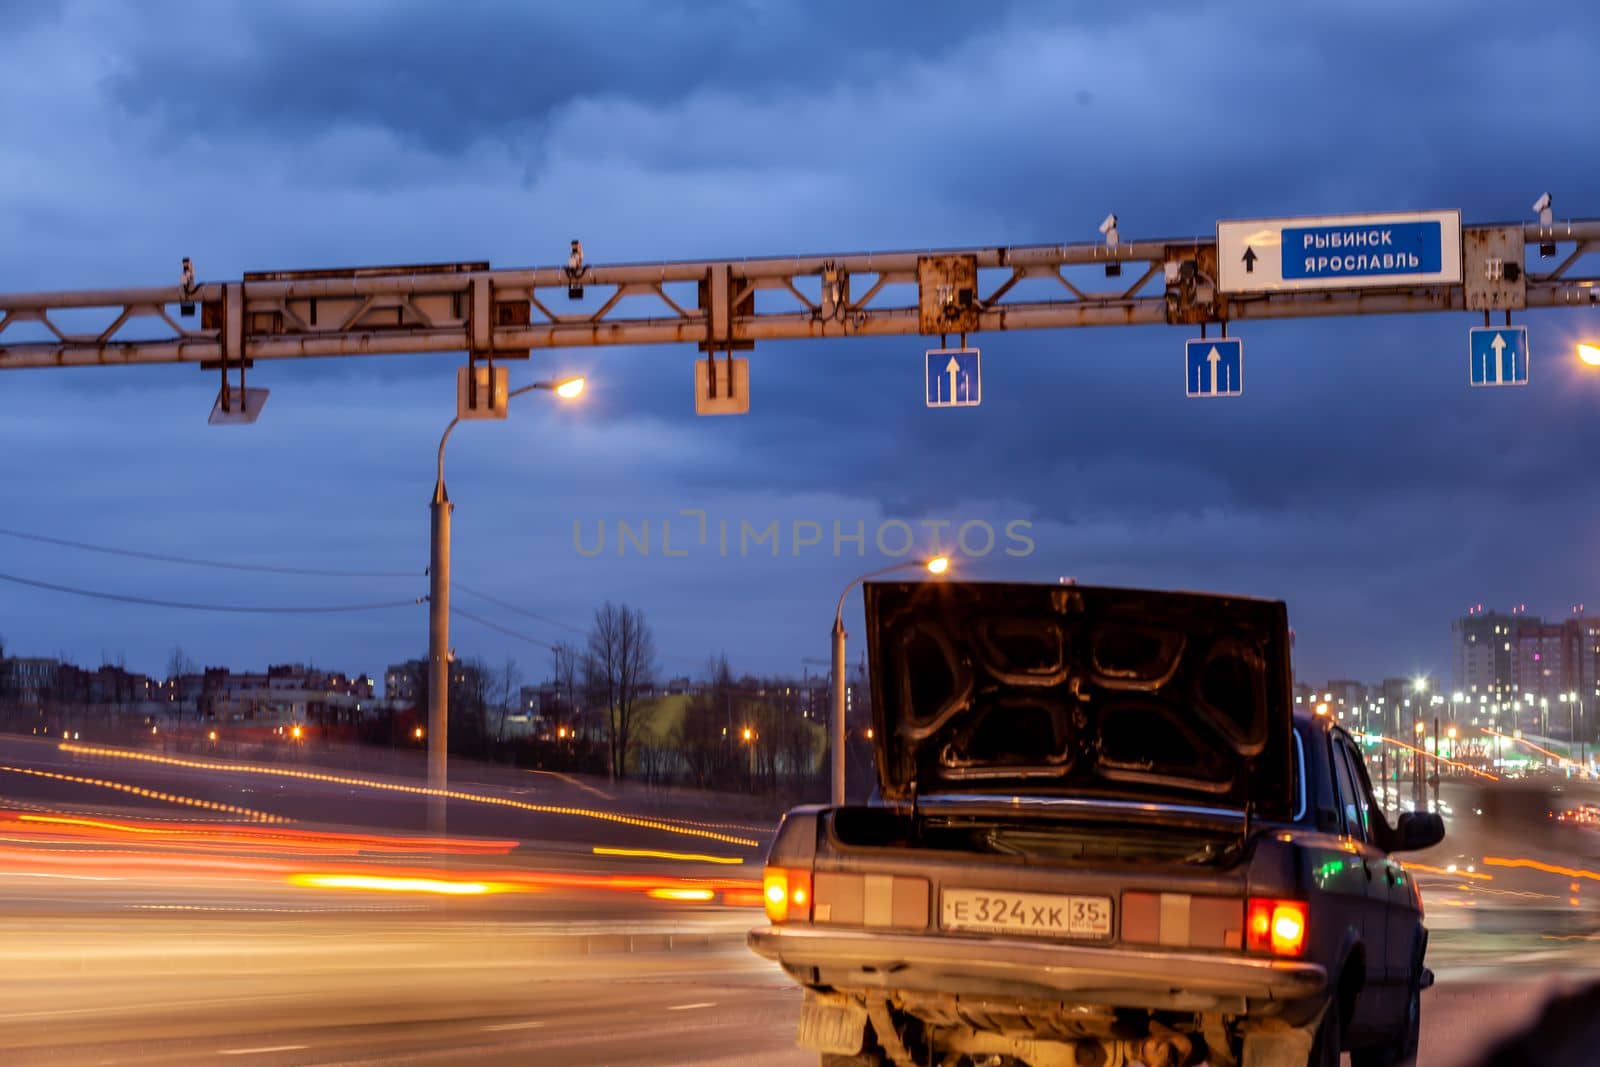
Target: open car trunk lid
column 1080, row 691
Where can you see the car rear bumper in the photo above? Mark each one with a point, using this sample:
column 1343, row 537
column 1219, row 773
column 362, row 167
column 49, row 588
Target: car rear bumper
column 1009, row 967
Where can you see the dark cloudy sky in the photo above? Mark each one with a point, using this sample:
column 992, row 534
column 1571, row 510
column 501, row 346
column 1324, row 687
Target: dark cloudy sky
column 1359, row 478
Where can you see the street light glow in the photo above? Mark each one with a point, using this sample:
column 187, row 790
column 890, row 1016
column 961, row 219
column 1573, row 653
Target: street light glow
column 570, row 389
column 1590, row 354
column 938, row 564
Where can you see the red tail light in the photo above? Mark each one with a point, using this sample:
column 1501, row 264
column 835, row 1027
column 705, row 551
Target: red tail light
column 786, row 892
column 1276, row 926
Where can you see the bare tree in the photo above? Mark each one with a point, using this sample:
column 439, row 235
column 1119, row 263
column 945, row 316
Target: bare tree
column 471, row 694
column 620, row 666
column 508, row 685
column 564, row 671
column 178, row 665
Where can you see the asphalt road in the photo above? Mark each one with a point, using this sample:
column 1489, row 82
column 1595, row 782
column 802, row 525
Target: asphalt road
column 397, row 987
column 139, row 929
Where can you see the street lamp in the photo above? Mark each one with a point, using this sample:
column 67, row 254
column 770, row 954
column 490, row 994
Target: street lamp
column 439, row 612
column 1590, row 354
column 936, row 565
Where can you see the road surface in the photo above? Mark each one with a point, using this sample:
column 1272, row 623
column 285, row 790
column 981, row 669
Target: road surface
column 138, row 928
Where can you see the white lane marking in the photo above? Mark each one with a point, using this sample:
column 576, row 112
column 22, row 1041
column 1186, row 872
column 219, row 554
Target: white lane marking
column 529, row 1025
column 259, row 1051
column 691, row 1007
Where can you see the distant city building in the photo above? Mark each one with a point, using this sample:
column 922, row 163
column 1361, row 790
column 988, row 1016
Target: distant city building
column 406, row 683
column 1513, row 669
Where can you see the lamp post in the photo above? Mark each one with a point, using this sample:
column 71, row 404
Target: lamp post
column 936, row 565
column 1419, row 686
column 439, row 614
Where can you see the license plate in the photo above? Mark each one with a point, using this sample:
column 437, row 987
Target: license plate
column 1037, row 914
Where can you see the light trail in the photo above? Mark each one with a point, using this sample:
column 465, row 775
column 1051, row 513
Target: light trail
column 1547, row 868
column 1563, row 760
column 413, row 790
column 151, row 794
column 1424, row 752
column 385, row 884
column 650, row 853
column 668, row 893
column 215, row 836
column 1473, row 876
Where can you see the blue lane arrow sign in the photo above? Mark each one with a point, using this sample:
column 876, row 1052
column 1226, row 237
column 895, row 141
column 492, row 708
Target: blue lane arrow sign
column 1498, row 355
column 954, row 378
column 1214, row 368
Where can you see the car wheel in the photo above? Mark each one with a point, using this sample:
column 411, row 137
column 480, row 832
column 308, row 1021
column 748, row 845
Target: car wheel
column 1326, row 1043
column 1403, row 1051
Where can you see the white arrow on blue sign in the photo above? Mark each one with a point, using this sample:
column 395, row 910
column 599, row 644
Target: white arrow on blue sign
column 954, row 378
column 1499, row 355
column 1214, row 368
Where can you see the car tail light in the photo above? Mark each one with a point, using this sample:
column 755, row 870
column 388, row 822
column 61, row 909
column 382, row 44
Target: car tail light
column 1276, row 926
column 786, row 892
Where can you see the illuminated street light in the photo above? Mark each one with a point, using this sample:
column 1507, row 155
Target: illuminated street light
column 1590, row 354
column 439, row 610
column 1322, row 709
column 936, row 565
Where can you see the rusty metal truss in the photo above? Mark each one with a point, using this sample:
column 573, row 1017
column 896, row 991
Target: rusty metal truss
column 727, row 305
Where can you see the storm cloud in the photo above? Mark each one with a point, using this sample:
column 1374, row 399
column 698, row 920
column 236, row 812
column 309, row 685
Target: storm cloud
column 1358, row 477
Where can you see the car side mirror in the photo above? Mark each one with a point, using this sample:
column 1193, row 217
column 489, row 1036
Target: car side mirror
column 1418, row 830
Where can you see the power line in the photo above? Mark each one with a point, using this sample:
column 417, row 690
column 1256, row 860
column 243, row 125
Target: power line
column 231, row 608
column 260, row 568
column 512, row 607
column 481, row 621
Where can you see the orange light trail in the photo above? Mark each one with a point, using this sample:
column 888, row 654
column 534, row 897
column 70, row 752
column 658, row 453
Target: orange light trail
column 666, row 893
column 387, row 884
column 1472, row 876
column 1447, row 762
column 414, row 790
column 1524, row 741
column 1547, row 868
column 212, row 836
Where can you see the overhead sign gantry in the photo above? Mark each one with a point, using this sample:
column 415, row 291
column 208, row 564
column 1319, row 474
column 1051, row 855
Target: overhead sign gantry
column 1315, row 267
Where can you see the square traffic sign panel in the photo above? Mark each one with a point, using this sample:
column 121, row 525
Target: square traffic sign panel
column 1213, row 368
column 954, row 379
column 1498, row 355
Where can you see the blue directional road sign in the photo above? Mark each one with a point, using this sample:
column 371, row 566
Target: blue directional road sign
column 954, row 380
column 1214, row 368
column 1499, row 355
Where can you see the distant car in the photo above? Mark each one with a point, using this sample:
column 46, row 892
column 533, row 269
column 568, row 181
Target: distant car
column 1104, row 836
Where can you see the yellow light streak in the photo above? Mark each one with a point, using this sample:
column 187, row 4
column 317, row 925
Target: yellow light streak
column 414, row 790
column 680, row 894
column 169, row 798
column 654, row 854
column 378, row 884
